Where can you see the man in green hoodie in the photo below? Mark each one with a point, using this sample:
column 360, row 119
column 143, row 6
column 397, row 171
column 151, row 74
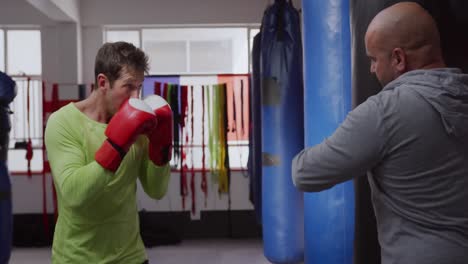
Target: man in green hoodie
column 97, row 149
column 413, row 139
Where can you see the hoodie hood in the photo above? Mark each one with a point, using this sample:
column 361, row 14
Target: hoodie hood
column 446, row 90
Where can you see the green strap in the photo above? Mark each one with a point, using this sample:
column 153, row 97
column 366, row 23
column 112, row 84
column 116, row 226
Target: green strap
column 215, row 131
column 169, row 90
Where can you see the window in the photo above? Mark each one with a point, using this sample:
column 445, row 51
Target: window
column 24, row 52
column 131, row 36
column 2, row 50
column 20, row 57
column 202, row 50
column 167, row 56
column 196, row 50
column 26, row 125
column 211, row 56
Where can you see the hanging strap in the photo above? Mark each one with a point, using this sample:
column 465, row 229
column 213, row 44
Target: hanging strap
column 183, row 169
column 183, row 162
column 226, row 161
column 29, row 149
column 242, row 106
column 165, row 88
column 183, row 182
column 192, row 181
column 234, row 109
column 173, row 94
column 219, row 126
column 184, row 186
column 184, row 104
column 227, row 164
column 157, row 88
column 222, row 130
column 211, row 133
column 214, row 133
column 203, row 185
column 241, row 132
column 226, row 145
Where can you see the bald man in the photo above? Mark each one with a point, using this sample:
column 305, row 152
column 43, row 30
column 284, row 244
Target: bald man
column 412, row 138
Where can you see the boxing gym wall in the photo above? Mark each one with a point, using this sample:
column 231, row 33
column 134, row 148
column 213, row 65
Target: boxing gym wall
column 451, row 20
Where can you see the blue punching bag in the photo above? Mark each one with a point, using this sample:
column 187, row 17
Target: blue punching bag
column 7, row 94
column 282, row 133
column 329, row 232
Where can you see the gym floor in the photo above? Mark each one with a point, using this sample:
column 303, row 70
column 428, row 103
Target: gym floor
column 233, row 251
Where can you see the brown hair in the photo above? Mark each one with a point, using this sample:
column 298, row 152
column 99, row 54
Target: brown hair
column 112, row 57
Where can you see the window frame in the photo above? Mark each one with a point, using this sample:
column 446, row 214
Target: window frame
column 140, row 28
column 37, row 148
column 6, row 28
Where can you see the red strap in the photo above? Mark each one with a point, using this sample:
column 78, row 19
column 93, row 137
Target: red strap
column 184, row 168
column 164, row 91
column 29, row 155
column 234, row 109
column 242, row 106
column 183, row 104
column 192, row 182
column 27, row 102
column 157, row 88
column 183, row 175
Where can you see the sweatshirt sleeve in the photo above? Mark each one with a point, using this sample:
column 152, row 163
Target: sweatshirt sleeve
column 78, row 183
column 354, row 148
column 154, row 179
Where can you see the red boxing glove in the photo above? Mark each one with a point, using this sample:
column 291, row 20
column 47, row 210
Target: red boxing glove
column 133, row 119
column 160, row 139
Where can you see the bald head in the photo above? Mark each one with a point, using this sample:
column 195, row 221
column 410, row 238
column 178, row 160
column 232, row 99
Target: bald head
column 405, row 31
column 407, row 22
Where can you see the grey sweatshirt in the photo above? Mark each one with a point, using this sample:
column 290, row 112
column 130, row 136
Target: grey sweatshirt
column 412, row 138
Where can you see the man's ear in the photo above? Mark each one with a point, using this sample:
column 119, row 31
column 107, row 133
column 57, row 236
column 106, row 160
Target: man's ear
column 102, row 82
column 399, row 60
